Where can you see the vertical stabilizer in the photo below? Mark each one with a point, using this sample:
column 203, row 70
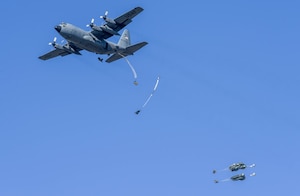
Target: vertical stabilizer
column 124, row 41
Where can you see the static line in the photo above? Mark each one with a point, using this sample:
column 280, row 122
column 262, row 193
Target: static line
column 132, row 69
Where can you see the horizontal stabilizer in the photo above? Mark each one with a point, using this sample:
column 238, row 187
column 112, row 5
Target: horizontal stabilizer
column 129, row 51
column 132, row 49
column 114, row 57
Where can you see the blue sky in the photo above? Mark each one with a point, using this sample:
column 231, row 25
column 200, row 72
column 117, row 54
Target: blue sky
column 229, row 91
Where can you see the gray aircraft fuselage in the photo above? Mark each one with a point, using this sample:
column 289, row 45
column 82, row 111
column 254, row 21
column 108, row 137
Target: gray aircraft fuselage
column 85, row 39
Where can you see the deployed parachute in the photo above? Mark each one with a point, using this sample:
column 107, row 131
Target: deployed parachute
column 240, row 165
column 132, row 69
column 150, row 96
column 238, row 177
column 236, row 167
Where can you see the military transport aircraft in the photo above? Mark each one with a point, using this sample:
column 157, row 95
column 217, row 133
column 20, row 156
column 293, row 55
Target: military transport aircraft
column 95, row 39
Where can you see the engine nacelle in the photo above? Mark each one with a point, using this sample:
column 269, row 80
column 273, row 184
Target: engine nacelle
column 110, row 22
column 69, row 49
column 66, row 48
column 108, row 30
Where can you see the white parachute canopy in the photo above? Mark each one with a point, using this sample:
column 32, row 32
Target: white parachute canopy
column 150, row 96
column 154, row 89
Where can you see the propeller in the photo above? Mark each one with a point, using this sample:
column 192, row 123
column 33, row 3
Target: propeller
column 108, row 20
column 91, row 24
column 105, row 16
column 54, row 42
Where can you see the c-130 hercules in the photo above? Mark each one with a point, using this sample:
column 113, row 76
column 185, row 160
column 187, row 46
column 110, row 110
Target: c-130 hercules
column 95, row 40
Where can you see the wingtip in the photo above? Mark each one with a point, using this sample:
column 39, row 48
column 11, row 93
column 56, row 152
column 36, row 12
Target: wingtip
column 139, row 8
column 41, row 58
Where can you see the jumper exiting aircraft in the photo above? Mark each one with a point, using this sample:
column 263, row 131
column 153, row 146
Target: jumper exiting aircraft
column 95, row 40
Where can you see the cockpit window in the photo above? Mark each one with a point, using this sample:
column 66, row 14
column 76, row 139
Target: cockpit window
column 64, row 24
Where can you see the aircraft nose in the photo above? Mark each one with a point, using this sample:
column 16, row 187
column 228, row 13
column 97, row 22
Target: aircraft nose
column 58, row 28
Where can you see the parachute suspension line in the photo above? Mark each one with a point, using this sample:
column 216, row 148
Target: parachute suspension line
column 132, row 69
column 147, row 101
column 225, row 180
column 220, row 170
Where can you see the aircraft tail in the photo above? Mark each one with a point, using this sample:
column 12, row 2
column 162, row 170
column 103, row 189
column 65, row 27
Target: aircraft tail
column 124, row 41
column 127, row 49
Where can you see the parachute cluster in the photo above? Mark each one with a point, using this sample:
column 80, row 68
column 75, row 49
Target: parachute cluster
column 233, row 168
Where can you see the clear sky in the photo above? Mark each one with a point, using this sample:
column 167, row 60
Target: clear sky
column 229, row 92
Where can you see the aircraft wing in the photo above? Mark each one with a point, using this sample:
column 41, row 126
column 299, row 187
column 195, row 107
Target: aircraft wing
column 125, row 19
column 59, row 52
column 120, row 21
column 54, row 53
